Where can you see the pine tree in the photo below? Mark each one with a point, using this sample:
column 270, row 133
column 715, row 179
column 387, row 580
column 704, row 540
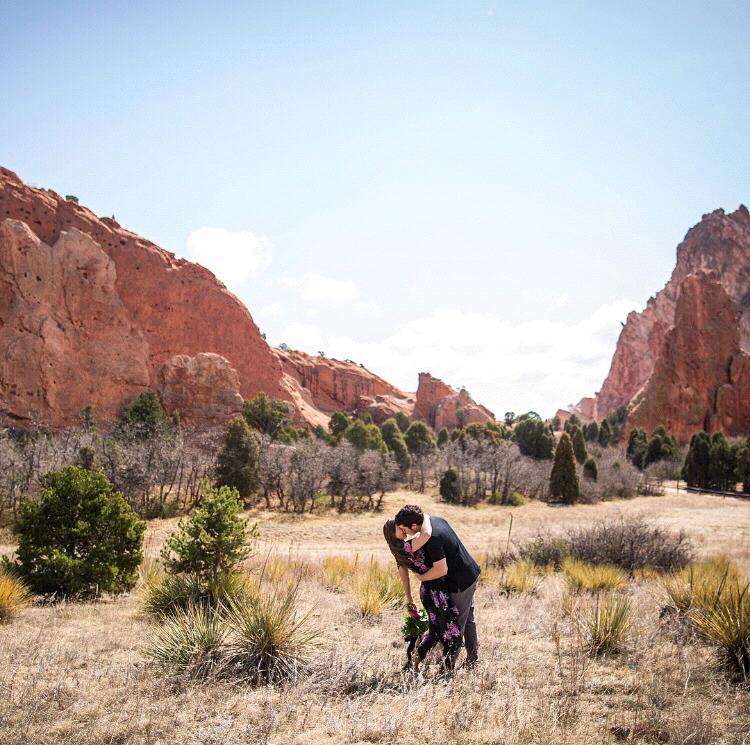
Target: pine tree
column 579, row 445
column 403, row 421
column 592, row 433
column 237, row 462
column 564, row 478
column 590, row 469
column 442, row 437
column 394, row 440
column 419, row 438
column 698, row 461
column 605, row 434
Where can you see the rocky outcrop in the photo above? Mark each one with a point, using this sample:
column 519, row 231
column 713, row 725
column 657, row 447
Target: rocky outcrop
column 701, row 377
column 336, row 385
column 441, row 406
column 719, row 243
column 203, row 390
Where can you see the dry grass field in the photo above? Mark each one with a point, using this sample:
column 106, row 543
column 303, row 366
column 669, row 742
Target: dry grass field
column 76, row 673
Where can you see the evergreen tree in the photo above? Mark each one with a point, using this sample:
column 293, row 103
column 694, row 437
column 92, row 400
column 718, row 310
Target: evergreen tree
column 590, row 469
column 534, row 438
column 87, row 418
column 270, row 417
column 213, row 541
column 698, row 461
column 579, row 445
column 403, row 421
column 555, row 423
column 442, row 437
column 449, row 489
column 564, row 478
column 592, row 432
column 144, row 417
column 419, row 439
column 722, row 464
column 80, row 539
column 605, row 434
column 364, row 436
column 338, row 423
column 237, row 462
column 742, row 472
column 394, row 440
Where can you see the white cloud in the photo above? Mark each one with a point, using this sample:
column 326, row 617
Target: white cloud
column 272, row 310
column 317, row 288
column 537, row 364
column 234, row 257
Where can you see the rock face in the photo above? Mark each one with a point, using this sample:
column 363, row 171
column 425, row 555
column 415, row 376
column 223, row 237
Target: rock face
column 92, row 314
column 334, row 385
column 204, row 390
column 441, row 406
column 720, row 243
column 700, row 377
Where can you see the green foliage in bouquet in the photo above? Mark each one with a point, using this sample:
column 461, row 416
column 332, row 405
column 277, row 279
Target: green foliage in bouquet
column 415, row 623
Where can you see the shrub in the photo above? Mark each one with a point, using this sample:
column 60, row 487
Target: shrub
column 593, row 578
column 419, row 439
column 364, row 436
column 443, row 437
column 516, row 499
column 545, row 550
column 630, row 544
column 237, row 462
column 608, row 620
column 534, row 438
column 394, row 440
column 213, row 541
column 190, row 642
column 701, row 585
column 521, row 576
column 338, row 422
column 81, row 539
column 268, row 640
column 590, row 471
column 449, row 488
column 270, row 417
column 144, row 417
column 563, row 480
column 375, row 590
column 403, row 421
column 14, row 596
column 579, row 445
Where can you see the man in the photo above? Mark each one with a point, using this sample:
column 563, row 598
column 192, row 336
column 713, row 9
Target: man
column 449, row 559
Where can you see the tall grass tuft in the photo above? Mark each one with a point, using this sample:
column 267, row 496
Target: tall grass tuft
column 726, row 625
column 14, row 596
column 701, row 585
column 521, row 576
column 268, row 640
column 608, row 620
column 337, row 571
column 189, row 642
column 376, row 589
column 580, row 575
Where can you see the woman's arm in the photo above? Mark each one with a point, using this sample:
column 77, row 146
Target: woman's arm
column 424, row 534
column 403, row 573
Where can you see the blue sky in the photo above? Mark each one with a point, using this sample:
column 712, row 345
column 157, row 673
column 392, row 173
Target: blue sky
column 481, row 190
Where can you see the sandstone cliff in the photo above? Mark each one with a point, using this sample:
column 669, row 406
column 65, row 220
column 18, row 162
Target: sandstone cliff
column 441, row 406
column 720, row 243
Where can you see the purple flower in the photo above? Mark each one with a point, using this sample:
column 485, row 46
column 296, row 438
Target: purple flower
column 433, row 617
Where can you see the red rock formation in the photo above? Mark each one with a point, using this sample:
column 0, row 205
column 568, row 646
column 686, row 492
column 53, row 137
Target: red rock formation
column 204, row 390
column 441, row 406
column 719, row 243
column 700, row 377
column 334, row 385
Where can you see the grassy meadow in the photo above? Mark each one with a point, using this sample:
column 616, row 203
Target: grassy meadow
column 78, row 673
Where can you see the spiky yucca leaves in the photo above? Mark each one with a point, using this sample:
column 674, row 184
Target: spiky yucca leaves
column 521, row 576
column 168, row 593
column 593, row 577
column 14, row 595
column 190, row 642
column 608, row 619
column 726, row 624
column 268, row 640
column 701, row 585
column 376, row 589
column 336, row 571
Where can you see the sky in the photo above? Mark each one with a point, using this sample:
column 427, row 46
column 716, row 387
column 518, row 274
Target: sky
column 480, row 190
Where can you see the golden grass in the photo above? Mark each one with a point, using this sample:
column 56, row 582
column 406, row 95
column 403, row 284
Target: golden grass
column 608, row 619
column 76, row 673
column 521, row 576
column 337, row 571
column 702, row 585
column 376, row 588
column 580, row 575
column 14, row 596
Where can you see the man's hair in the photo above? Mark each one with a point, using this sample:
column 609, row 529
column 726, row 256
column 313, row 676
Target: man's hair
column 410, row 514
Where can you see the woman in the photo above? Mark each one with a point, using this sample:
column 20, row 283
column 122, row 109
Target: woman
column 441, row 612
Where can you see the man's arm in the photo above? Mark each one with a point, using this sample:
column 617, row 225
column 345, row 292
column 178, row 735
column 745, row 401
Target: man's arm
column 436, row 571
column 403, row 573
column 424, row 535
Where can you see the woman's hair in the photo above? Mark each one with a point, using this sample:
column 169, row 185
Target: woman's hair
column 396, row 545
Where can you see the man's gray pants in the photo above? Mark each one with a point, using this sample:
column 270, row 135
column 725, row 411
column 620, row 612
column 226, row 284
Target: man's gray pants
column 464, row 601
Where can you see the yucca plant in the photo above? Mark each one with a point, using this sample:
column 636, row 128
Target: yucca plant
column 336, row 571
column 190, row 641
column 150, row 572
column 268, row 639
column 376, row 589
column 171, row 592
column 521, row 576
column 14, row 595
column 608, row 620
column 580, row 575
column 727, row 626
column 701, row 585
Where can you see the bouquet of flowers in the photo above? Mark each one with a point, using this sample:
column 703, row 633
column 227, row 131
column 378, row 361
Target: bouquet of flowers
column 415, row 623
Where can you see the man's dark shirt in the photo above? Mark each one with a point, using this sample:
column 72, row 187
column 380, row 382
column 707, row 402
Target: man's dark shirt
column 445, row 544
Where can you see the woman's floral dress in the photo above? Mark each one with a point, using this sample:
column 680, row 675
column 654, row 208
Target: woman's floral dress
column 441, row 612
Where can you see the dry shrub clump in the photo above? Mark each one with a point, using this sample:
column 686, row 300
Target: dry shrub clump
column 594, row 578
column 521, row 576
column 337, row 571
column 701, row 585
column 608, row 620
column 14, row 596
column 375, row 589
